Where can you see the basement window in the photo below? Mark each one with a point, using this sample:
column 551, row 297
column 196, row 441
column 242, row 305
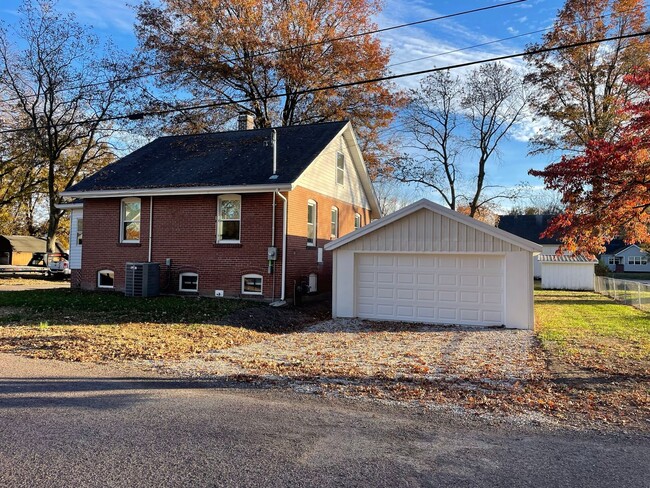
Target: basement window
column 105, row 278
column 188, row 282
column 251, row 284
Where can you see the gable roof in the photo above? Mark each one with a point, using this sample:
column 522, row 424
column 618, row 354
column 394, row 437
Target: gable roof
column 217, row 160
column 528, row 226
column 28, row 243
column 439, row 209
column 641, row 251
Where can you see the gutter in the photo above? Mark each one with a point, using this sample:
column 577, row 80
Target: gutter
column 284, row 246
column 195, row 190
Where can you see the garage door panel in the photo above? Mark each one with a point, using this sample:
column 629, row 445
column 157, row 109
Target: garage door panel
column 431, row 288
column 447, row 279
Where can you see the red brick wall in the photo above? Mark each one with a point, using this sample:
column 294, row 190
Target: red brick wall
column 184, row 229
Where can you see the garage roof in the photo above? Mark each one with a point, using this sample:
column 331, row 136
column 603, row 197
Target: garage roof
column 27, row 244
column 443, row 211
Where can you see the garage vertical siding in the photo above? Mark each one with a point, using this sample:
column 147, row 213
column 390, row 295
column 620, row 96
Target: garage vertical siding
column 426, row 231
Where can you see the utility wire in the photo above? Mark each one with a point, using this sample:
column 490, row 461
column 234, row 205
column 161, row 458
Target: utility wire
column 282, row 50
column 354, row 83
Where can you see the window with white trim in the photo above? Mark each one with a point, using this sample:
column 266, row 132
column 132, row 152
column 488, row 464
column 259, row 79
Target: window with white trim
column 610, row 260
column 229, row 219
column 80, row 231
column 105, row 278
column 251, row 284
column 638, row 260
column 340, row 168
column 312, row 216
column 334, row 227
column 130, row 220
column 188, row 282
column 357, row 221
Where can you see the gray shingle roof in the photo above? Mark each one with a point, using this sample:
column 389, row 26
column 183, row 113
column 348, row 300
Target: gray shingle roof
column 528, row 226
column 231, row 158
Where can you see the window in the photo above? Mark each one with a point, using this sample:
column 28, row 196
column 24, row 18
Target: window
column 610, row 260
column 105, row 278
column 188, row 282
column 335, row 223
column 251, row 284
column 311, row 223
column 80, row 231
column 229, row 219
column 357, row 221
column 340, row 168
column 637, row 260
column 130, row 228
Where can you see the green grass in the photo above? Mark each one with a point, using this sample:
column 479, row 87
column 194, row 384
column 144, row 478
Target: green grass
column 61, row 306
column 593, row 331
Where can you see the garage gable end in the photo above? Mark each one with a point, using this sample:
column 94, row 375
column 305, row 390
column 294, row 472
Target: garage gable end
column 426, row 230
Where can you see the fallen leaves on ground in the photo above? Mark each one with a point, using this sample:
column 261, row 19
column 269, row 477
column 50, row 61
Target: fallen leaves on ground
column 122, row 342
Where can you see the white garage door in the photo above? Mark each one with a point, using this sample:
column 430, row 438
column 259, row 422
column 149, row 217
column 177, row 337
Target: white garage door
column 449, row 289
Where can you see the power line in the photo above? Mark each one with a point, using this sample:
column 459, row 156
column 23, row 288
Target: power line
column 356, row 83
column 283, row 50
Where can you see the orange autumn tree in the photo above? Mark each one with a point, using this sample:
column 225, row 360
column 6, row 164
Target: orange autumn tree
column 261, row 56
column 606, row 189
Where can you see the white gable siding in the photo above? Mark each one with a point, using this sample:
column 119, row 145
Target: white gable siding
column 320, row 176
column 427, row 231
column 75, row 250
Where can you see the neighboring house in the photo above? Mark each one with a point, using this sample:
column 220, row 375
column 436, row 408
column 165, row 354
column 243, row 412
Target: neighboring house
column 625, row 258
column 530, row 227
column 242, row 213
column 18, row 250
column 427, row 263
column 567, row 272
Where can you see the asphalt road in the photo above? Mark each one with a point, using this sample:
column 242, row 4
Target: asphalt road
column 71, row 425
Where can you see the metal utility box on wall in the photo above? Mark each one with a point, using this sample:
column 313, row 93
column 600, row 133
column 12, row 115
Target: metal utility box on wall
column 142, row 280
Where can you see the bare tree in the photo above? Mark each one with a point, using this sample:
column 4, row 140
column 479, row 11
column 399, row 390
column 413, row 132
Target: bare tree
column 55, row 100
column 450, row 120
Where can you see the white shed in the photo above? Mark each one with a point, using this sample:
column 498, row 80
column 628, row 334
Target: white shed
column 567, row 272
column 426, row 263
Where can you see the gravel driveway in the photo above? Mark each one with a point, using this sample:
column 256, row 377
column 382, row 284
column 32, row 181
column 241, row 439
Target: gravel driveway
column 354, row 354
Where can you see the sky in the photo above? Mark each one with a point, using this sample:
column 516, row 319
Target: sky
column 114, row 19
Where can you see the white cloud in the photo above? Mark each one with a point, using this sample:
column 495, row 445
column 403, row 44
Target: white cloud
column 109, row 15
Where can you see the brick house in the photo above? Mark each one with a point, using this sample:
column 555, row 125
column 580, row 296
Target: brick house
column 213, row 209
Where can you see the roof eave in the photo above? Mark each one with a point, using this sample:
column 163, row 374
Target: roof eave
column 195, row 190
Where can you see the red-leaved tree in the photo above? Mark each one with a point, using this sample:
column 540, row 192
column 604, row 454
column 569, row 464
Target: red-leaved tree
column 606, row 189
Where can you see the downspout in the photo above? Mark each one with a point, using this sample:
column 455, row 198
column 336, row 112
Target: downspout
column 150, row 224
column 273, row 245
column 284, row 244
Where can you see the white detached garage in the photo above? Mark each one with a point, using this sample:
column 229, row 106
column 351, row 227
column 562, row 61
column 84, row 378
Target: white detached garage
column 426, row 263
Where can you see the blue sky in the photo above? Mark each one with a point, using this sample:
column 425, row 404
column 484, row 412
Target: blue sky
column 114, row 19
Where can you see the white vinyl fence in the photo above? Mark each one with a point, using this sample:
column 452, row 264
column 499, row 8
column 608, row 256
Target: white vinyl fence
column 625, row 291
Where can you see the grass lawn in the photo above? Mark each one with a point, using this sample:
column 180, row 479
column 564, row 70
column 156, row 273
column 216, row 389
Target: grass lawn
column 590, row 331
column 86, row 326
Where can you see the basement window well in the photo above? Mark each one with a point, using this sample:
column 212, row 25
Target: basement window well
column 188, row 282
column 251, row 284
column 105, row 278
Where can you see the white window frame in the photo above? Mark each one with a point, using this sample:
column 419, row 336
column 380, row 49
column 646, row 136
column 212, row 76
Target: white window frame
column 99, row 283
column 340, row 168
column 220, row 220
column 611, row 260
column 123, row 221
column 256, row 276
column 180, row 282
column 334, row 222
column 357, row 221
column 311, row 242
column 79, row 237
